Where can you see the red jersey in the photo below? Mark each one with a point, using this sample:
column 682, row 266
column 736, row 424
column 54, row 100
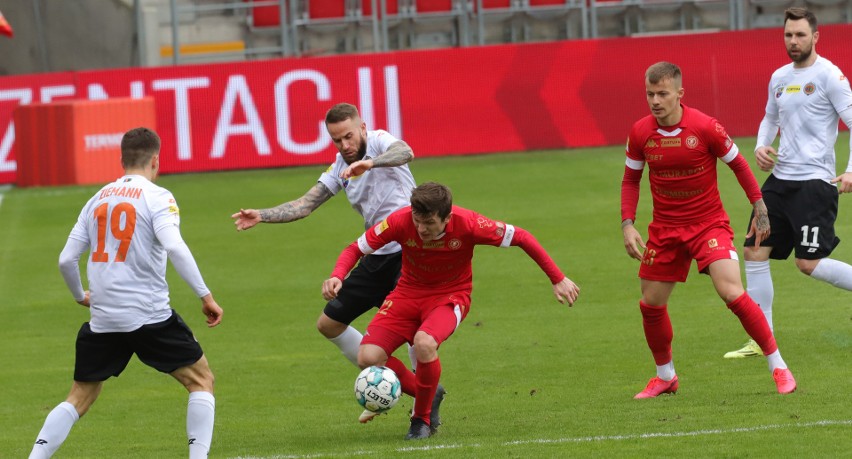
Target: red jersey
column 443, row 265
column 682, row 168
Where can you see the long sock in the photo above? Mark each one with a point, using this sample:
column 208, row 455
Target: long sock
column 55, row 430
column 754, row 322
column 760, row 287
column 428, row 375
column 200, row 412
column 658, row 331
column 406, row 377
column 348, row 342
column 836, row 273
column 413, row 357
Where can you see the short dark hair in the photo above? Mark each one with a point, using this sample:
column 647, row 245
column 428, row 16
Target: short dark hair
column 432, row 198
column 138, row 146
column 663, row 70
column 794, row 13
column 341, row 112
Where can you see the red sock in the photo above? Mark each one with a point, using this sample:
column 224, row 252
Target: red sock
column 406, row 377
column 754, row 322
column 658, row 331
column 427, row 377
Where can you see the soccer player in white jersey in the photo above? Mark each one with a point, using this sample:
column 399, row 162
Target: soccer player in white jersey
column 806, row 98
column 130, row 227
column 371, row 167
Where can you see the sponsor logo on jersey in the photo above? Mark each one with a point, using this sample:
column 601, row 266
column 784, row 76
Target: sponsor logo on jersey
column 328, row 171
column 651, row 144
column 692, row 141
column 842, row 77
column 809, row 89
column 793, row 89
column 454, row 244
column 484, row 222
column 728, row 142
column 433, row 244
column 720, row 129
column 670, row 143
column 173, row 209
column 713, row 243
column 411, row 243
column 381, row 227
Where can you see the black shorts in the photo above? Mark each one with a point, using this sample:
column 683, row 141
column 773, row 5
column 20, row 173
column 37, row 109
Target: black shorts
column 165, row 346
column 365, row 287
column 801, row 217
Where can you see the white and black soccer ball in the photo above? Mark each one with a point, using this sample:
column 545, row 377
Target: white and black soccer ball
column 377, row 389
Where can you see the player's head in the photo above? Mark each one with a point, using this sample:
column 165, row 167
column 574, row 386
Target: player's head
column 139, row 147
column 431, row 206
column 664, row 90
column 800, row 35
column 347, row 131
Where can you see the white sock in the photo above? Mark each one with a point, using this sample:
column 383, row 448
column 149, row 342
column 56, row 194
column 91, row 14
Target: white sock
column 759, row 287
column 836, row 273
column 413, row 357
column 55, row 430
column 348, row 342
column 200, row 411
column 775, row 361
column 666, row 372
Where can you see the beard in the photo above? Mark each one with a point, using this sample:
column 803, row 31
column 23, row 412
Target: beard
column 804, row 54
column 362, row 151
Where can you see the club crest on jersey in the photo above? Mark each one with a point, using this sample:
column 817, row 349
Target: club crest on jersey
column 809, row 89
column 454, row 244
column 779, row 91
column 692, row 141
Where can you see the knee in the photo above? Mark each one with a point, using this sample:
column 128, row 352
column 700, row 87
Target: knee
column 425, row 347
column 806, row 266
column 369, row 355
column 329, row 327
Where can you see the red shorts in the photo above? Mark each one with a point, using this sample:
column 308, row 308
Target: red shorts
column 400, row 318
column 671, row 249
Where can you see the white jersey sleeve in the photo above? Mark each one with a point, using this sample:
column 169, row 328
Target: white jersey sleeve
column 378, row 192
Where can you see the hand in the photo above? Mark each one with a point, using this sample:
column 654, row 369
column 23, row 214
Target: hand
column 212, row 310
column 357, row 168
column 845, row 181
column 765, row 157
column 246, row 218
column 759, row 226
column 566, row 291
column 633, row 242
column 330, row 287
column 85, row 301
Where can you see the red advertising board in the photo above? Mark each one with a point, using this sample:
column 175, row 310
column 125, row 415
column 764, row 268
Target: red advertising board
column 442, row 102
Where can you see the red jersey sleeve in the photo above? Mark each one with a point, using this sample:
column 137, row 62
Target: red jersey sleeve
column 724, row 148
column 526, row 241
column 634, row 165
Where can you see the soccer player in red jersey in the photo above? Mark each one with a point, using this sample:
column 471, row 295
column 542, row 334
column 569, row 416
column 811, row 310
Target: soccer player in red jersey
column 432, row 296
column 680, row 146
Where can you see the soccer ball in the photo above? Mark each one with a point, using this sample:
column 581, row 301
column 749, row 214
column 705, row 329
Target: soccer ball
column 377, row 389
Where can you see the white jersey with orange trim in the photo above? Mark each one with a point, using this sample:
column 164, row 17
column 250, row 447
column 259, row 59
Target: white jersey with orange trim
column 378, row 192
column 806, row 105
column 126, row 268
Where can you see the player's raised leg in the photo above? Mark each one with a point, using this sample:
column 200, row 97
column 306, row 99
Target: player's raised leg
column 62, row 418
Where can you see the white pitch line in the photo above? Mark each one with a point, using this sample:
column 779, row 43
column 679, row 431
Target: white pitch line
column 597, row 438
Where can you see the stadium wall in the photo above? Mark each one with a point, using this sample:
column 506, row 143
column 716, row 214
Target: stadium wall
column 443, row 102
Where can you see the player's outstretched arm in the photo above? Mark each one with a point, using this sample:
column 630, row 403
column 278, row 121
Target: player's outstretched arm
column 211, row 310
column 566, row 291
column 633, row 242
column 397, row 154
column 286, row 212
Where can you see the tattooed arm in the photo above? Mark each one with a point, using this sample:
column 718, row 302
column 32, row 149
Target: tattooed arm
column 397, row 154
column 284, row 213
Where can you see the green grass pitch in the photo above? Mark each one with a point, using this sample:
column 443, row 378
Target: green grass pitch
column 526, row 376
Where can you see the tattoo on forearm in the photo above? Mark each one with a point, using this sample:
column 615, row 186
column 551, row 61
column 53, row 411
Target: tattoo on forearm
column 398, row 153
column 299, row 208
